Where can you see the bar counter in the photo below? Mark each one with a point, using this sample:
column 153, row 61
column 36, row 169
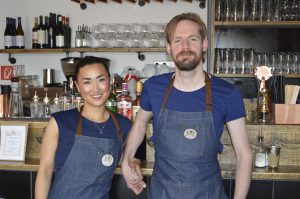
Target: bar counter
column 228, row 171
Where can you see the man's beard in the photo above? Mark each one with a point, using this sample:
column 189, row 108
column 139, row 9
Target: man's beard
column 187, row 65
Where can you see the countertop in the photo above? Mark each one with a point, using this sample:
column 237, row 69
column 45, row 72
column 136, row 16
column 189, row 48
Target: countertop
column 228, row 171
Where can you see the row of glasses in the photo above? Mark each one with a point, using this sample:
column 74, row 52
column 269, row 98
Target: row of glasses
column 257, row 10
column 245, row 61
column 132, row 35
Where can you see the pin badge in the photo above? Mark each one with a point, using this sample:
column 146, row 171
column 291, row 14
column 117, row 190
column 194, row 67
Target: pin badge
column 107, row 160
column 190, row 134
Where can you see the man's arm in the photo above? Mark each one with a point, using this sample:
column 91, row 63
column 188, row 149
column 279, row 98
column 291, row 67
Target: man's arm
column 239, row 138
column 130, row 167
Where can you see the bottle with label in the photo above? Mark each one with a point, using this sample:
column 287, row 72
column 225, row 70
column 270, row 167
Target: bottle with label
column 64, row 98
column 111, row 103
column 260, row 152
column 137, row 101
column 68, row 33
column 41, row 34
column 124, row 102
column 51, row 36
column 46, row 107
column 34, row 33
column 60, row 34
column 7, row 35
column 15, row 79
column 46, row 31
column 36, row 108
column 264, row 112
column 55, row 106
column 20, row 41
column 14, row 32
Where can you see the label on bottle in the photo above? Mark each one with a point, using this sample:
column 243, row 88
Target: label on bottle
column 34, row 37
column 125, row 108
column 8, row 41
column 60, row 41
column 41, row 37
column 260, row 159
column 20, row 41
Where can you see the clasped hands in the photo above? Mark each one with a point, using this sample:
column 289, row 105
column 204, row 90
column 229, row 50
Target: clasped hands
column 132, row 173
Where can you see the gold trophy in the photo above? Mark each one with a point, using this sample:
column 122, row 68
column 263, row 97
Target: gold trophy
column 264, row 107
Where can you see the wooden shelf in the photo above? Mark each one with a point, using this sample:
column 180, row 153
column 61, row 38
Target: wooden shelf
column 69, row 50
column 257, row 24
column 252, row 76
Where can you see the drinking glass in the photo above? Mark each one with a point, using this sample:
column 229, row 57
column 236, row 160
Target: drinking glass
column 219, row 10
column 218, row 60
column 227, row 60
column 254, row 10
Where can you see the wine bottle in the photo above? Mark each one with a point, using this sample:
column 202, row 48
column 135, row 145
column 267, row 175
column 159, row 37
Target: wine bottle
column 51, row 32
column 41, row 34
column 34, row 33
column 46, row 31
column 14, row 32
column 60, row 35
column 7, row 35
column 68, row 33
column 20, row 41
column 124, row 102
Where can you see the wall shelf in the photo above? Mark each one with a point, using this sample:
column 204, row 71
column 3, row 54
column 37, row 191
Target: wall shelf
column 257, row 24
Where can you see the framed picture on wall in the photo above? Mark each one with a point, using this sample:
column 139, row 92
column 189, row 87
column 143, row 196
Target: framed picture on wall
column 13, row 139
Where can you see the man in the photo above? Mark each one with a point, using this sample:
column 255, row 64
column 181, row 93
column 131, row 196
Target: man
column 189, row 109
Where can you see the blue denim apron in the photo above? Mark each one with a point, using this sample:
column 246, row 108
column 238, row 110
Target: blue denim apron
column 89, row 168
column 186, row 165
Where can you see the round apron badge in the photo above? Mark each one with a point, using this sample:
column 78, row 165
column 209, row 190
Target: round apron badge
column 190, row 134
column 107, row 160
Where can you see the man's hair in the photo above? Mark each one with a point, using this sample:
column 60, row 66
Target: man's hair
column 171, row 26
column 88, row 60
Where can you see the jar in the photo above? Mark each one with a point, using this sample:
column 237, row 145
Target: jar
column 273, row 156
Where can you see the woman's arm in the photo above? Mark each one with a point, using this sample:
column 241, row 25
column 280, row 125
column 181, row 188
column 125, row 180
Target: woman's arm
column 239, row 138
column 48, row 149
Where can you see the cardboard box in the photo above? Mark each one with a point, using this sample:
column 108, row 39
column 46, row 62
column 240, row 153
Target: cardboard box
column 287, row 114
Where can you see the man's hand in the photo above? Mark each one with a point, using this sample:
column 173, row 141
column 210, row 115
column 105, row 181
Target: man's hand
column 132, row 173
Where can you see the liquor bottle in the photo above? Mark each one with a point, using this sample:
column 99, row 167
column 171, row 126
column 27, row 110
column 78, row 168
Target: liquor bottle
column 20, row 41
column 41, row 34
column 78, row 101
column 7, row 35
column 64, row 98
column 137, row 101
column 14, row 32
column 55, row 106
column 124, row 102
column 34, row 33
column 260, row 151
column 46, row 31
column 60, row 34
column 46, row 107
column 14, row 81
column 68, row 33
column 111, row 103
column 71, row 93
column 51, row 35
column 36, row 108
column 264, row 108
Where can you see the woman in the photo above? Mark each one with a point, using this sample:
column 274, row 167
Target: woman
column 83, row 146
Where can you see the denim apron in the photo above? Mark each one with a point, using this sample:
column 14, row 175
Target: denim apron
column 186, row 165
column 89, row 168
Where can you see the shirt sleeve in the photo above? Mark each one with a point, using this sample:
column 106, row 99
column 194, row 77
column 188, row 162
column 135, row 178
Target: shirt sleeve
column 145, row 97
column 235, row 108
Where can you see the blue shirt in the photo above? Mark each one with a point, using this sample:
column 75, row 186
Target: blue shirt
column 67, row 124
column 227, row 102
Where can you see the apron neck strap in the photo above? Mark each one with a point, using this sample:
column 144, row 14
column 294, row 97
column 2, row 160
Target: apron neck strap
column 208, row 98
column 116, row 124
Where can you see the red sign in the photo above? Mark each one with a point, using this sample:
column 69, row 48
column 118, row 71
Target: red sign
column 6, row 72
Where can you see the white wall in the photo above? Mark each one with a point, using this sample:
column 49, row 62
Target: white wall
column 112, row 12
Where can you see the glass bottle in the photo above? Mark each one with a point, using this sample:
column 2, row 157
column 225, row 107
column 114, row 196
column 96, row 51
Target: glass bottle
column 264, row 104
column 55, row 106
column 41, row 34
column 34, row 33
column 64, row 98
column 111, row 103
column 60, row 34
column 72, row 93
column 14, row 32
column 137, row 101
column 36, row 108
column 46, row 107
column 20, row 42
column 7, row 35
column 260, row 152
column 125, row 102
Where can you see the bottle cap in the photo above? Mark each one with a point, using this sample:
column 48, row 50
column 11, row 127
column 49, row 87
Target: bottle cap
column 56, row 99
column 35, row 97
column 46, row 99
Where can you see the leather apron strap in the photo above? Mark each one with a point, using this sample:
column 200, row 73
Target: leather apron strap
column 208, row 98
column 116, row 124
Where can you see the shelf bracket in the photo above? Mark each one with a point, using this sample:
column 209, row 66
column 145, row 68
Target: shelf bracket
column 141, row 56
column 11, row 59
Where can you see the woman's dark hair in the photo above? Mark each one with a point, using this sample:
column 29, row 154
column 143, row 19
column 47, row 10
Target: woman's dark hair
column 88, row 60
